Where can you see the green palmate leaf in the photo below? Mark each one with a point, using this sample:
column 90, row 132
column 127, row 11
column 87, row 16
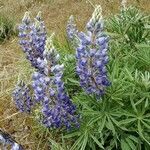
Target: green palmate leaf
column 129, row 25
column 118, row 124
column 114, row 121
column 95, row 119
column 96, row 141
column 124, row 145
column 130, row 143
column 133, row 138
column 110, row 125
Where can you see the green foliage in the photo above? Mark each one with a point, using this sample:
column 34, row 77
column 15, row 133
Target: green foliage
column 142, row 57
column 120, row 119
column 130, row 25
column 6, row 28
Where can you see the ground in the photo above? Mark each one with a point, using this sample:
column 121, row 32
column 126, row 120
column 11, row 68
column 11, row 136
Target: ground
column 12, row 61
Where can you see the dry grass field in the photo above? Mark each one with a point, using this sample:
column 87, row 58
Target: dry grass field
column 12, row 61
column 57, row 12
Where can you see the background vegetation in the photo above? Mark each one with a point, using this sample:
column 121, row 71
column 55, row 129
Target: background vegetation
column 121, row 119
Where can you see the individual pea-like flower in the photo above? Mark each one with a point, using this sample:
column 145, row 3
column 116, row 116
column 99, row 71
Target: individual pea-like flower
column 32, row 38
column 57, row 109
column 92, row 57
column 23, row 97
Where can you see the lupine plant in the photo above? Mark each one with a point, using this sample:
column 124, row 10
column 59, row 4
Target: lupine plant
column 107, row 104
column 48, row 89
column 32, row 38
column 91, row 54
column 57, row 109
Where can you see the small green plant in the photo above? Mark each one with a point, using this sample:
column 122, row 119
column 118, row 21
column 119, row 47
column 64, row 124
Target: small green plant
column 130, row 24
column 6, row 28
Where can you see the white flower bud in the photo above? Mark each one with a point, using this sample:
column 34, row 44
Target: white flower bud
column 26, row 19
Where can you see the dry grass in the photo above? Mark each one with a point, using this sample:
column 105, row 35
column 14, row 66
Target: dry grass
column 10, row 70
column 57, row 12
column 13, row 64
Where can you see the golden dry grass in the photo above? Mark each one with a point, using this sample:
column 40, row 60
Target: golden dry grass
column 57, row 12
column 12, row 60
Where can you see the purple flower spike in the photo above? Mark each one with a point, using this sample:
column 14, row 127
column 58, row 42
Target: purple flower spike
column 91, row 55
column 32, row 38
column 72, row 30
column 57, row 109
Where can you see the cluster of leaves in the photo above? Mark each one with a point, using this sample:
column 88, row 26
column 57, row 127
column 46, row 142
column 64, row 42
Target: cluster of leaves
column 6, row 28
column 121, row 118
column 131, row 25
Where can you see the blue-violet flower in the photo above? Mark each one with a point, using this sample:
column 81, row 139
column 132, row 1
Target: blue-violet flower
column 32, row 38
column 91, row 55
column 49, row 90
